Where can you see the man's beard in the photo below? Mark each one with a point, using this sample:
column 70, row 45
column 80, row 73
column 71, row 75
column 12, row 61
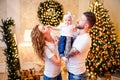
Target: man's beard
column 80, row 27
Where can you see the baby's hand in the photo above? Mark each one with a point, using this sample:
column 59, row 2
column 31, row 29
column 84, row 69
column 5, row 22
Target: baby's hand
column 49, row 26
column 74, row 29
column 64, row 59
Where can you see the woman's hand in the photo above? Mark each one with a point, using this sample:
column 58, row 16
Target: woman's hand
column 56, row 40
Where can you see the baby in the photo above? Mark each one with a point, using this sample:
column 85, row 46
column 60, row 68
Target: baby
column 67, row 29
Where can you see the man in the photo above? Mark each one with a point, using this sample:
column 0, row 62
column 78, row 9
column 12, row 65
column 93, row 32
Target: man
column 80, row 48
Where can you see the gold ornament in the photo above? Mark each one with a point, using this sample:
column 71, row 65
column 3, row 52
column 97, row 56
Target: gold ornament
column 109, row 46
column 106, row 68
column 109, row 64
column 97, row 48
column 101, row 69
column 90, row 56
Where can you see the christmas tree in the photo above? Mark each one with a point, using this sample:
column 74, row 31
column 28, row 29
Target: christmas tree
column 104, row 55
column 11, row 51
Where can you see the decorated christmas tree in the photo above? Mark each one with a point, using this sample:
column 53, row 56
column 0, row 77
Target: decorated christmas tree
column 104, row 55
column 11, row 51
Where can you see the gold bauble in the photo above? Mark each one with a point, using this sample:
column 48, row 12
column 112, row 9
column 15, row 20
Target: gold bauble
column 97, row 48
column 105, row 58
column 87, row 66
column 96, row 38
column 90, row 56
column 101, row 69
column 94, row 64
column 88, row 74
column 109, row 46
column 109, row 64
column 108, row 32
column 106, row 68
column 91, row 73
column 92, row 69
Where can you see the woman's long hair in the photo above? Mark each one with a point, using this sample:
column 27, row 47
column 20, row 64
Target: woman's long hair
column 38, row 42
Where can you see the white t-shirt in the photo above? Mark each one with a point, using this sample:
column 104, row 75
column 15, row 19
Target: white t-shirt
column 76, row 64
column 66, row 30
column 51, row 69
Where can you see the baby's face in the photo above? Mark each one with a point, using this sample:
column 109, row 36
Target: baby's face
column 68, row 20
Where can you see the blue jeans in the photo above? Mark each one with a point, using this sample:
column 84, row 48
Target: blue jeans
column 55, row 78
column 62, row 45
column 77, row 77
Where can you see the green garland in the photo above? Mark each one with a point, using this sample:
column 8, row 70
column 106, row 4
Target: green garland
column 50, row 12
column 11, row 51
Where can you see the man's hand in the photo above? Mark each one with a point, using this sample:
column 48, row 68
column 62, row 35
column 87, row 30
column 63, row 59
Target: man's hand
column 72, row 52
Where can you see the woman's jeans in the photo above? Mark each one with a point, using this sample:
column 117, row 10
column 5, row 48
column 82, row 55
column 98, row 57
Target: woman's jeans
column 55, row 78
column 82, row 76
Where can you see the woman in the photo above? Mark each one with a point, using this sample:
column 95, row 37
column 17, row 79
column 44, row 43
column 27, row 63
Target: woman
column 45, row 46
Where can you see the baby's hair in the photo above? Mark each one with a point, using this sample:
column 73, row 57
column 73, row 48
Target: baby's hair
column 68, row 14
